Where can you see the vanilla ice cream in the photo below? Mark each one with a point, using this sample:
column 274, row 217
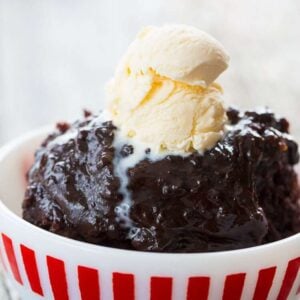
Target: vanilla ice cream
column 163, row 93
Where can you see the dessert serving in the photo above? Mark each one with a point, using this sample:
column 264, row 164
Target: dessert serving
column 168, row 167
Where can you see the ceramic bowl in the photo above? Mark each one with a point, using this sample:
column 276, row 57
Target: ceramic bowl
column 42, row 265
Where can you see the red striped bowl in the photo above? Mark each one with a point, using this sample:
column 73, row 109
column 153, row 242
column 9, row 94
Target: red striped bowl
column 41, row 265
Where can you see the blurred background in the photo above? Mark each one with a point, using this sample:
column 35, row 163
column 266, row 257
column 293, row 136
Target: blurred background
column 55, row 56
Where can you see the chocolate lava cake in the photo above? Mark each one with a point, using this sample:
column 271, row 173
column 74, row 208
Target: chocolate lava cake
column 243, row 192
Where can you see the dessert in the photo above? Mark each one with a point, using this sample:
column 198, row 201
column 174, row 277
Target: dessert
column 168, row 167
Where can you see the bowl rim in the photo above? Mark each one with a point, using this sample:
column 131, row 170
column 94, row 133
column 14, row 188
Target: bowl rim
column 13, row 144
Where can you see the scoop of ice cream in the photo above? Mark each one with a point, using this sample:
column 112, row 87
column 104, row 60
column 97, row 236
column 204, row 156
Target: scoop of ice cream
column 163, row 93
column 180, row 52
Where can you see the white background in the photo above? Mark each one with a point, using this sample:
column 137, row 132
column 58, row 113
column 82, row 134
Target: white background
column 56, row 55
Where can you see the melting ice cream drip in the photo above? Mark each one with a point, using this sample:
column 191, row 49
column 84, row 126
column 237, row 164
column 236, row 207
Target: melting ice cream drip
column 122, row 165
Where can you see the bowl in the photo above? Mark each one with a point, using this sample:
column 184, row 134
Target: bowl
column 41, row 265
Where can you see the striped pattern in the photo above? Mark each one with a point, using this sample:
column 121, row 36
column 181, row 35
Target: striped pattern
column 198, row 288
column 161, row 288
column 123, row 284
column 31, row 269
column 58, row 278
column 11, row 256
column 289, row 278
column 233, row 287
column 264, row 283
column 88, row 283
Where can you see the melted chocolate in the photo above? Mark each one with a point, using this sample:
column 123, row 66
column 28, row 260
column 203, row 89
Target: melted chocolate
column 241, row 193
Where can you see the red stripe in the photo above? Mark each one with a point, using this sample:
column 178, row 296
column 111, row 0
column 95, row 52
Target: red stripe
column 123, row 286
column 88, row 283
column 161, row 288
column 57, row 276
column 2, row 261
column 31, row 269
column 198, row 288
column 233, row 287
column 10, row 253
column 264, row 283
column 289, row 278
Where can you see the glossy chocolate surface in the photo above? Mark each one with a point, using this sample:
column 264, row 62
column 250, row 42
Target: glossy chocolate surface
column 241, row 193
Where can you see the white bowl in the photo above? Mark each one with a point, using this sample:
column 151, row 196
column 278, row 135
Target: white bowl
column 42, row 265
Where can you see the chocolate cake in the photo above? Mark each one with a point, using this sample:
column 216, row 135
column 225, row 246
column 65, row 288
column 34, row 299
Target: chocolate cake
column 242, row 192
